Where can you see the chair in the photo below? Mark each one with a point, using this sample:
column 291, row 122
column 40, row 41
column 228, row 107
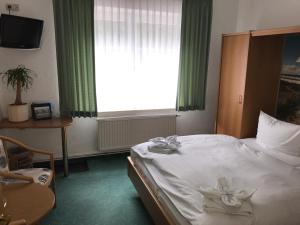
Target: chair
column 42, row 176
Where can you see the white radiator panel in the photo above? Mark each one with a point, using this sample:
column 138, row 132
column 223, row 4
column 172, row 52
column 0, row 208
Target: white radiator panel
column 117, row 134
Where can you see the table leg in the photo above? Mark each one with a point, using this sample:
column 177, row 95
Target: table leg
column 65, row 151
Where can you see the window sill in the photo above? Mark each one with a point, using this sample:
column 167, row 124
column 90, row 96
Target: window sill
column 136, row 114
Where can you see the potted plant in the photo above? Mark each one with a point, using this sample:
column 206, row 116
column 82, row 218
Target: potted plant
column 19, row 78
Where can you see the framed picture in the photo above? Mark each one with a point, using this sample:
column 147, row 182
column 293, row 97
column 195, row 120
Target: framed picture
column 41, row 111
column 289, row 91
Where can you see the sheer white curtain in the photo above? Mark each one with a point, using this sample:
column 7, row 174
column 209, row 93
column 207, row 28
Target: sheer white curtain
column 137, row 53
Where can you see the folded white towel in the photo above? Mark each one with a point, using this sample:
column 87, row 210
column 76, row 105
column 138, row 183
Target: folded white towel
column 156, row 149
column 217, row 206
column 226, row 199
column 164, row 145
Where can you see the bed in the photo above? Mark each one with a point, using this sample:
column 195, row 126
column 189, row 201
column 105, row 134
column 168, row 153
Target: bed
column 168, row 183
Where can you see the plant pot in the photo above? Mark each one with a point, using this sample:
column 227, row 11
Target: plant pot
column 18, row 113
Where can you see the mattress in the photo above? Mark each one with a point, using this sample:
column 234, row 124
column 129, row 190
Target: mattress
column 171, row 210
column 205, row 157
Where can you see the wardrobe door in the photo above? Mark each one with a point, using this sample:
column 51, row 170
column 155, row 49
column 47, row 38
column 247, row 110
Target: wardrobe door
column 262, row 83
column 232, row 83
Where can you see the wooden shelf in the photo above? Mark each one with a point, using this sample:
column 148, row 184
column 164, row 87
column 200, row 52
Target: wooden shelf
column 276, row 31
column 269, row 32
column 49, row 123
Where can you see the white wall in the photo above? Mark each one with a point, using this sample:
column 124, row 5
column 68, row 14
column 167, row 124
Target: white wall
column 261, row 14
column 42, row 61
column 82, row 135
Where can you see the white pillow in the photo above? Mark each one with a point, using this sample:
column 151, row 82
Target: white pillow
column 278, row 135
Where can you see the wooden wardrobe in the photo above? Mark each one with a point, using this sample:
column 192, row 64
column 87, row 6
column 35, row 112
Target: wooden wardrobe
column 249, row 81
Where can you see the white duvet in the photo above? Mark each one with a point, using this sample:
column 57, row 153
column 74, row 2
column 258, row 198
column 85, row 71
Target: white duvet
column 202, row 159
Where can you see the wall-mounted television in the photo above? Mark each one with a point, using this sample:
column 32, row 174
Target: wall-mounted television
column 20, row 32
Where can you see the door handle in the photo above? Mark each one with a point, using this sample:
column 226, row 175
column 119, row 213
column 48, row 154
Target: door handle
column 240, row 99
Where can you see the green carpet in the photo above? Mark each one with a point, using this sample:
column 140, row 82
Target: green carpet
column 103, row 195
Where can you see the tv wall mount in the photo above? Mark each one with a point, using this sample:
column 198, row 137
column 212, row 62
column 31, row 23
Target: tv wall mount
column 12, row 7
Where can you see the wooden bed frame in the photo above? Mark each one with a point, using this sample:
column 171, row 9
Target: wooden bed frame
column 159, row 215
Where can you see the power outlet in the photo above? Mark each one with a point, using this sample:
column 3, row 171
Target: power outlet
column 12, row 7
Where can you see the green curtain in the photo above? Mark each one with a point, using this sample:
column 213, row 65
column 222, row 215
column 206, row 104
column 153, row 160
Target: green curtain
column 194, row 52
column 74, row 29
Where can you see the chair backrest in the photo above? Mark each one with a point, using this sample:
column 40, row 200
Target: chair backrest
column 3, row 158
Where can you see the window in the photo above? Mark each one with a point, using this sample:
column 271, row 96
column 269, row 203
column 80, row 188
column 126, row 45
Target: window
column 137, row 46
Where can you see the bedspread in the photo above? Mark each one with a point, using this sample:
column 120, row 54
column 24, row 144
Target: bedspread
column 202, row 159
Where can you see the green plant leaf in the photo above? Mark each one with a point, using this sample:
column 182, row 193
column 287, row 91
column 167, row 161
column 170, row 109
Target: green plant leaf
column 21, row 74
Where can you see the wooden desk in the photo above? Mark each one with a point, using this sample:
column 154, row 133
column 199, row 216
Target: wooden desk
column 61, row 123
column 31, row 201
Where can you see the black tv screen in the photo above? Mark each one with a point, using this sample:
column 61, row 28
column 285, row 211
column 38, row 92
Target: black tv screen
column 20, row 32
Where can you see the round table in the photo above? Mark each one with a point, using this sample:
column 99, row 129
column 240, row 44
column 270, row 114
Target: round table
column 28, row 201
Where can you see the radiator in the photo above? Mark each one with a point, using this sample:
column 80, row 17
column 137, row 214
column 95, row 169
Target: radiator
column 117, row 134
